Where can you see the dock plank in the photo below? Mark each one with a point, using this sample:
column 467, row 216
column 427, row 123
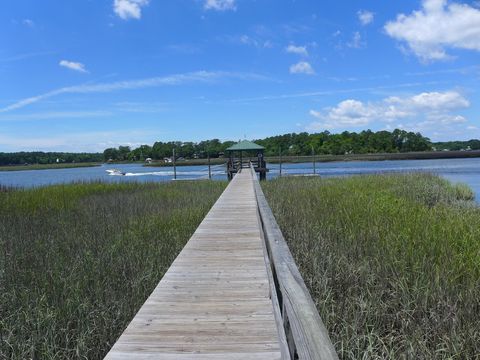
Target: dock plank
column 214, row 301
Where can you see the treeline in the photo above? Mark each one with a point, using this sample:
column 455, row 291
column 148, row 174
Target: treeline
column 290, row 144
column 365, row 142
column 22, row 158
column 473, row 144
column 161, row 150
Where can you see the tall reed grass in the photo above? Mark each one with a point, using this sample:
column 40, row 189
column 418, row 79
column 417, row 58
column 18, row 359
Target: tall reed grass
column 392, row 262
column 78, row 261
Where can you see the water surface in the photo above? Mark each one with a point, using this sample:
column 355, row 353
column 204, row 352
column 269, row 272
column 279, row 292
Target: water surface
column 456, row 170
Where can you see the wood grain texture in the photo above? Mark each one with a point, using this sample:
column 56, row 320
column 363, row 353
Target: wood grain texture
column 214, row 301
column 306, row 334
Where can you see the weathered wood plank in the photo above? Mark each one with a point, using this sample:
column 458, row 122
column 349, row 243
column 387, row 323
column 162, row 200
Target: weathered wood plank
column 214, row 301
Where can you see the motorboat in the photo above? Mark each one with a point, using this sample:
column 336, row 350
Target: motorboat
column 115, row 172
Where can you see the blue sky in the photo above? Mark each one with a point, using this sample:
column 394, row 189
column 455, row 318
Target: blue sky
column 83, row 75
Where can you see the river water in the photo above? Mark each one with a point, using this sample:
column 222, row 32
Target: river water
column 456, row 170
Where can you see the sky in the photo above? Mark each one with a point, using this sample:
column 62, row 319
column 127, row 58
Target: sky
column 84, row 75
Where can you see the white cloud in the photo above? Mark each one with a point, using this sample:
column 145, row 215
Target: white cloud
column 129, row 9
column 439, row 25
column 347, row 113
column 299, row 50
column 220, row 5
column 432, row 101
column 356, row 41
column 177, row 79
column 302, row 67
column 432, row 108
column 247, row 40
column 76, row 66
column 365, row 17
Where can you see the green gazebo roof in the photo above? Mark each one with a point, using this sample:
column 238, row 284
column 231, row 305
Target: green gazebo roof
column 245, row 145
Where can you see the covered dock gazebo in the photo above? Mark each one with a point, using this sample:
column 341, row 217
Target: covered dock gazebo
column 242, row 154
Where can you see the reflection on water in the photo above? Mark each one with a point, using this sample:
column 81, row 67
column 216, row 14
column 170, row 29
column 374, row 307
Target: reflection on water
column 457, row 170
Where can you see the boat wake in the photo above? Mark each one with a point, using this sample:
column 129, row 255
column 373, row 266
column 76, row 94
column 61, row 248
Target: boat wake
column 164, row 173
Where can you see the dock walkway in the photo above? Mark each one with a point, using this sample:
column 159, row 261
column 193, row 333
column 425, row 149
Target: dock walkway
column 214, row 301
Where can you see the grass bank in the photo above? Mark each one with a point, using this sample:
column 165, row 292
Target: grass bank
column 46, row 166
column 392, row 262
column 78, row 261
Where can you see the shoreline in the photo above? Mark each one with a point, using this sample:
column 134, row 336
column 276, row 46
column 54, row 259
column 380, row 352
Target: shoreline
column 47, row 166
column 427, row 155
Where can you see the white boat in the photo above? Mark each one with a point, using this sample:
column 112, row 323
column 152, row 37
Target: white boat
column 114, row 172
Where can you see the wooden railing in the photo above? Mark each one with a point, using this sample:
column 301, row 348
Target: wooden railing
column 306, row 335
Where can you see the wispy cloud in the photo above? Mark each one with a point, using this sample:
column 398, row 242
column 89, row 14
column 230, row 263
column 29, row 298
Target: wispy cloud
column 172, row 80
column 248, row 40
column 302, row 67
column 365, row 17
column 55, row 115
column 220, row 5
column 141, row 107
column 76, row 66
column 75, row 141
column 24, row 56
column 129, row 9
column 299, row 50
column 334, row 92
column 356, row 41
column 256, row 40
column 466, row 70
column 28, row 22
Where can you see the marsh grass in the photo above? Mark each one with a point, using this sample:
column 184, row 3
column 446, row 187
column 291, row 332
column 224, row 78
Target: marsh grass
column 392, row 262
column 78, row 261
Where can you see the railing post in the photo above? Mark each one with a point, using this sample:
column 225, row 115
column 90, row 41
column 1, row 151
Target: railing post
column 280, row 153
column 314, row 167
column 209, row 168
column 174, row 166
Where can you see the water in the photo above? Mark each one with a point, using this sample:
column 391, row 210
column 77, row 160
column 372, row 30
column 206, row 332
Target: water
column 133, row 172
column 456, row 170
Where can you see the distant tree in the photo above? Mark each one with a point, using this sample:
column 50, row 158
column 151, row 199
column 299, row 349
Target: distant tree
column 366, row 141
column 110, row 154
column 37, row 157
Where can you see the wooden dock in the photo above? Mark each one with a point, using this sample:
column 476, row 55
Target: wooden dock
column 218, row 300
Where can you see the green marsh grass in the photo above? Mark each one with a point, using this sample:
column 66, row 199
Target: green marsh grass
column 77, row 261
column 392, row 262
